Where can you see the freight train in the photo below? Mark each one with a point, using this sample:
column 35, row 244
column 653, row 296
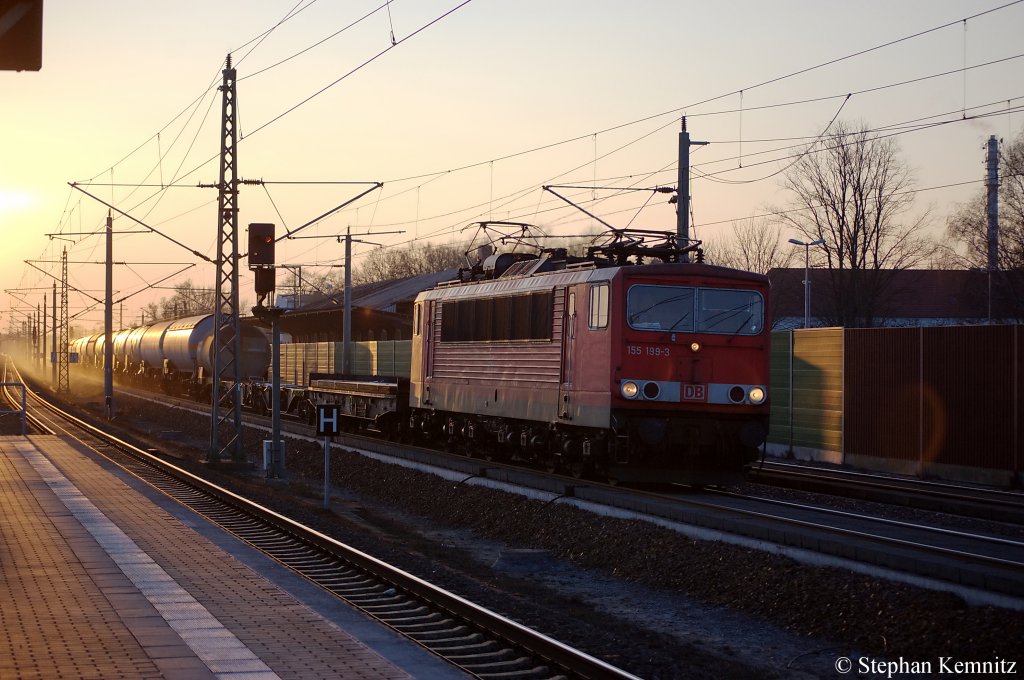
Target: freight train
column 629, row 363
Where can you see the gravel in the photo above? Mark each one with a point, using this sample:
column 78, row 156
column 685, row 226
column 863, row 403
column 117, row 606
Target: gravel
column 639, row 596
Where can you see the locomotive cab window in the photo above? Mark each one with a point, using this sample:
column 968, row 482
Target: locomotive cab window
column 735, row 312
column 416, row 312
column 599, row 306
column 687, row 310
column 660, row 308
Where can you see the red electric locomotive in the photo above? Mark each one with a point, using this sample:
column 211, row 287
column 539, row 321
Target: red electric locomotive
column 598, row 364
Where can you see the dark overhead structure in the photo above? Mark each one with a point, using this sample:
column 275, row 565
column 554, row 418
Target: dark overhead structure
column 21, row 35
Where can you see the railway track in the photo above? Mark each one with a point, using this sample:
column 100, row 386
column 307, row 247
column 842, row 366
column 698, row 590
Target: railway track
column 988, row 566
column 956, row 499
column 479, row 641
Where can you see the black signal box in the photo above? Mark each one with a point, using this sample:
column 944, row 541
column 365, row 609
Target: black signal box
column 261, row 245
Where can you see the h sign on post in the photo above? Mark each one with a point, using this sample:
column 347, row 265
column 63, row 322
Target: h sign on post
column 327, row 425
column 327, row 420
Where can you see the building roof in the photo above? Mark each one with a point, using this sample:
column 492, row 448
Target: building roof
column 380, row 295
column 911, row 294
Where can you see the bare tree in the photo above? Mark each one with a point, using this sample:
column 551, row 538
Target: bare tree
column 756, row 246
column 150, row 312
column 306, row 281
column 384, row 264
column 854, row 194
column 188, row 300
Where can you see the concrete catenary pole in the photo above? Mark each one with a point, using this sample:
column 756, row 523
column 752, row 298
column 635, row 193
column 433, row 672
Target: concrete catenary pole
column 346, row 333
column 53, row 325
column 993, row 203
column 108, row 322
column 683, row 191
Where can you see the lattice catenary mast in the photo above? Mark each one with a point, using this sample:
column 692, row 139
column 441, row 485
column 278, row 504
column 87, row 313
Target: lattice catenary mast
column 227, row 330
column 63, row 380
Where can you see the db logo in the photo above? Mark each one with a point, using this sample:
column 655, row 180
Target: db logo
column 695, row 392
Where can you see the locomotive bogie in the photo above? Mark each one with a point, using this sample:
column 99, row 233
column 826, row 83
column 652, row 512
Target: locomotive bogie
column 694, row 448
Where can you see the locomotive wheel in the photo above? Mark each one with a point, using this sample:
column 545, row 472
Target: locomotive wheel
column 493, row 453
column 581, row 468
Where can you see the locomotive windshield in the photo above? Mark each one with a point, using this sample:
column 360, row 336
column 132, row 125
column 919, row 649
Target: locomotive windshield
column 695, row 310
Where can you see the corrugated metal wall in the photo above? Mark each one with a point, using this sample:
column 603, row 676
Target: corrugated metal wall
column 1018, row 398
column 778, row 388
column 816, row 373
column 969, row 405
column 936, row 396
column 883, row 377
column 920, row 398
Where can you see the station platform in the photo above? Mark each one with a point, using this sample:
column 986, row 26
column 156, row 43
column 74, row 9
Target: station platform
column 103, row 577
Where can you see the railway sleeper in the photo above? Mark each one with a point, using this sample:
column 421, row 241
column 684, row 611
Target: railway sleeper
column 464, row 650
column 443, row 643
column 371, row 588
column 485, row 667
column 376, row 595
column 314, row 563
column 541, row 672
column 498, row 653
column 427, row 626
column 339, row 582
column 396, row 608
column 411, row 618
column 328, row 569
column 450, row 633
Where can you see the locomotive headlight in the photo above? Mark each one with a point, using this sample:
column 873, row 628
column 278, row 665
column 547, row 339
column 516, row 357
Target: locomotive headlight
column 630, row 389
column 757, row 395
column 694, row 347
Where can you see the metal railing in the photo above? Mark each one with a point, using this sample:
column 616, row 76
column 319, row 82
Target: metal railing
column 22, row 411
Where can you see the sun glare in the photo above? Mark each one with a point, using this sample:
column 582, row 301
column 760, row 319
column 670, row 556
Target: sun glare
column 14, row 201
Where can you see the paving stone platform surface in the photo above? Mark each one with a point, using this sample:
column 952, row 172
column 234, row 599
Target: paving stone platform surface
column 100, row 578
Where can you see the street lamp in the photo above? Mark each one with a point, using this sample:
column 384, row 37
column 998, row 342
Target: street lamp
column 807, row 275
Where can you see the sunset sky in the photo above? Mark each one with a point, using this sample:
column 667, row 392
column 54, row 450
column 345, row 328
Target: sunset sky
column 467, row 118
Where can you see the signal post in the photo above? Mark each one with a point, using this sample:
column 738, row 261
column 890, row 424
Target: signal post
column 261, row 263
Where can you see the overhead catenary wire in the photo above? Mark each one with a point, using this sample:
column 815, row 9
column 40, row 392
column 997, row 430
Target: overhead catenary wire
column 158, row 166
column 178, row 177
column 506, row 200
column 671, row 123
column 676, row 110
column 746, row 109
column 348, row 26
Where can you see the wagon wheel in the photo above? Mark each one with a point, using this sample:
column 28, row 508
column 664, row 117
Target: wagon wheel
column 308, row 413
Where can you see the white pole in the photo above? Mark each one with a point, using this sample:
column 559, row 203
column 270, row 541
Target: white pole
column 807, row 275
column 327, row 473
column 807, row 286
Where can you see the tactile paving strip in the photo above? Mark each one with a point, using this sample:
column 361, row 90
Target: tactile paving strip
column 217, row 646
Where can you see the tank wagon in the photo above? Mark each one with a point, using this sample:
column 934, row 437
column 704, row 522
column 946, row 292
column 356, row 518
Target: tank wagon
column 174, row 355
